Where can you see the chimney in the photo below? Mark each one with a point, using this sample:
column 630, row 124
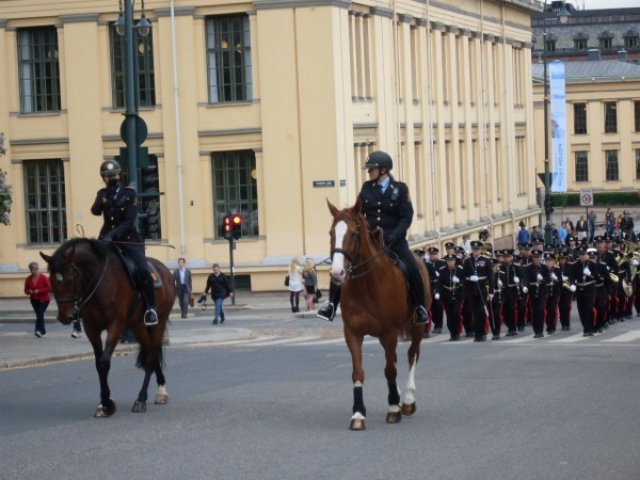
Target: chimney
column 593, row 54
column 622, row 55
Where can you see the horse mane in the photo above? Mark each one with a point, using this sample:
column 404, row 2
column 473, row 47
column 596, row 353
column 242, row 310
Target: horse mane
column 59, row 260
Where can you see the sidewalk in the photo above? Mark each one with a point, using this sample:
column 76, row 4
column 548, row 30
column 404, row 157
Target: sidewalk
column 20, row 348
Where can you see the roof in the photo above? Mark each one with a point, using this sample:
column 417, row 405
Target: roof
column 593, row 71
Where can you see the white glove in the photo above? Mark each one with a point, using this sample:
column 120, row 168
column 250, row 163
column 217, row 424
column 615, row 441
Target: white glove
column 554, row 277
column 455, row 279
column 516, row 279
column 539, row 277
column 437, row 274
column 474, row 278
column 490, row 297
column 437, row 296
column 525, row 290
column 587, row 272
column 572, row 288
column 564, row 278
column 635, row 262
column 499, row 283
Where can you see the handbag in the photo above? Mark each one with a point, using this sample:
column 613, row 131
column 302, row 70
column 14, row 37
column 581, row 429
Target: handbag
column 286, row 281
column 191, row 300
column 318, row 293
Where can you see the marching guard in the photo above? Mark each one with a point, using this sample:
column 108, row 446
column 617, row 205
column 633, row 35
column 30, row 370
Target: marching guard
column 512, row 275
column 536, row 278
column 583, row 273
column 554, row 285
column 478, row 277
column 567, row 291
column 433, row 266
column 451, row 294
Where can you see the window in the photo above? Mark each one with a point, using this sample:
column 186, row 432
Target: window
column 45, row 201
column 550, row 45
column 637, row 164
column 235, row 189
column 610, row 117
column 611, row 159
column 580, row 44
column 579, row 118
column 229, row 58
column 606, row 43
column 39, row 70
column 144, row 69
column 631, row 42
column 582, row 166
column 636, row 111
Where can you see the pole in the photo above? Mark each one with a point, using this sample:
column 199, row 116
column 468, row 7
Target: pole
column 547, row 176
column 232, row 247
column 130, row 96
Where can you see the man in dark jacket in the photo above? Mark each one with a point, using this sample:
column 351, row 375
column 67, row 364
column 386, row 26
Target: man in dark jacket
column 220, row 289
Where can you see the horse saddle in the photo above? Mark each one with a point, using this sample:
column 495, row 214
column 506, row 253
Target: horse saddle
column 133, row 272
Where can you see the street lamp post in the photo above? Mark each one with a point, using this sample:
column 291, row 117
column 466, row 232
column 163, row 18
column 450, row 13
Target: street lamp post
column 133, row 130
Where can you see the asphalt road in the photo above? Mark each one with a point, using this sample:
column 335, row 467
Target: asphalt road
column 274, row 409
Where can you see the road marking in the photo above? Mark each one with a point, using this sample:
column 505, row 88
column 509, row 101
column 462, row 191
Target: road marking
column 283, row 341
column 438, row 339
column 578, row 337
column 524, row 337
column 625, row 337
column 323, row 342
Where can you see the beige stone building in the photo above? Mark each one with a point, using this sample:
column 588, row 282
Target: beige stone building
column 267, row 108
column 603, row 124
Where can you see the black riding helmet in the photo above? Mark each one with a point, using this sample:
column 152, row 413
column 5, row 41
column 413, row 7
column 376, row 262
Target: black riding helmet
column 109, row 168
column 379, row 159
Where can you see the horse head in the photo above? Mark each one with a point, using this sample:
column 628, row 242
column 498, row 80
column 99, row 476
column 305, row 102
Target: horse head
column 350, row 240
column 68, row 276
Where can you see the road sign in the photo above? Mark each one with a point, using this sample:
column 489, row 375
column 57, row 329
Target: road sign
column 586, row 197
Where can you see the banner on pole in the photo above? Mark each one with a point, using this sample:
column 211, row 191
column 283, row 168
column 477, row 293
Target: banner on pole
column 558, row 126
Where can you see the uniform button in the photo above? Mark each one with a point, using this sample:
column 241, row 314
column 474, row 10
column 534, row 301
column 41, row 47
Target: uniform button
column 379, row 210
column 379, row 203
column 378, row 218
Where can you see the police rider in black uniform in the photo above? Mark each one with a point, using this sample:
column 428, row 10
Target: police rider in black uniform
column 119, row 207
column 386, row 204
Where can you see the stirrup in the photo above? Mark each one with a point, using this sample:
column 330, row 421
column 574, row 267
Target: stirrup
column 327, row 312
column 422, row 316
column 150, row 317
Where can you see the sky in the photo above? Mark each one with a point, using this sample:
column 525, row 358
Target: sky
column 594, row 4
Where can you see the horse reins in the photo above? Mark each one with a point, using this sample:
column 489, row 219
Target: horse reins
column 354, row 266
column 79, row 302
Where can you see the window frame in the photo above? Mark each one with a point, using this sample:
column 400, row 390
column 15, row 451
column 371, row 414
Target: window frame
column 38, row 70
column 610, row 119
column 239, row 60
column 612, row 166
column 580, row 118
column 581, row 166
column 46, row 221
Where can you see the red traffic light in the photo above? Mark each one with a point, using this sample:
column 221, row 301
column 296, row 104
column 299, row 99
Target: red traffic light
column 237, row 219
column 237, row 225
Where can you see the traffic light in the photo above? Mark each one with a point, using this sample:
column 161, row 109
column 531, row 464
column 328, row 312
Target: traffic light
column 548, row 205
column 227, row 227
column 149, row 181
column 236, row 221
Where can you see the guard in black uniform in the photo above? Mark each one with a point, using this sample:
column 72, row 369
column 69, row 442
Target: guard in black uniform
column 512, row 275
column 119, row 207
column 386, row 204
column 478, row 275
column 554, row 285
column 451, row 293
column 433, row 267
column 536, row 277
column 524, row 305
column 497, row 302
column 583, row 271
column 567, row 290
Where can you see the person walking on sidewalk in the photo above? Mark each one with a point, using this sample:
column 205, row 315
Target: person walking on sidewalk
column 37, row 286
column 220, row 289
column 310, row 276
column 182, row 278
column 295, row 284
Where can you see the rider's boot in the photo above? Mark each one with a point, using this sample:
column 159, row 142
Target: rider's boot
column 150, row 315
column 328, row 310
column 422, row 316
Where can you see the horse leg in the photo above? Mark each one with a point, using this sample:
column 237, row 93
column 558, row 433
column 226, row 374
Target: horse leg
column 162, row 397
column 390, row 343
column 149, row 358
column 409, row 400
column 107, row 407
column 354, row 342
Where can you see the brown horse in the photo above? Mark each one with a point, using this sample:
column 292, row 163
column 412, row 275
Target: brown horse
column 89, row 280
column 375, row 301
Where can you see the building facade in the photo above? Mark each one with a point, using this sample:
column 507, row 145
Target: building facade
column 603, row 124
column 266, row 108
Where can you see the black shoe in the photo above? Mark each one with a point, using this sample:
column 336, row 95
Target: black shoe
column 551, row 332
column 588, row 334
column 538, row 335
column 496, row 337
column 150, row 317
column 326, row 312
column 454, row 338
column 521, row 328
column 566, row 328
column 481, row 338
column 469, row 334
column 422, row 316
column 511, row 333
column 437, row 331
column 215, row 322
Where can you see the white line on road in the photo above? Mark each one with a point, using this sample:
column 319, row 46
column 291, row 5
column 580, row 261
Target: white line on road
column 625, row 337
column 578, row 337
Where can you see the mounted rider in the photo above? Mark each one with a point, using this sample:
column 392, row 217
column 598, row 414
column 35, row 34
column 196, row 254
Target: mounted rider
column 386, row 204
column 118, row 206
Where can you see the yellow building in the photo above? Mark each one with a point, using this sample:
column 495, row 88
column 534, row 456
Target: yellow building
column 267, row 108
column 603, row 124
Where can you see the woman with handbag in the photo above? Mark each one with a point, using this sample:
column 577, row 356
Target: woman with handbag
column 310, row 276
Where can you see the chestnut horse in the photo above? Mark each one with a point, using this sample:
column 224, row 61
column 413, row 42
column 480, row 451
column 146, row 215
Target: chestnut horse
column 375, row 301
column 88, row 280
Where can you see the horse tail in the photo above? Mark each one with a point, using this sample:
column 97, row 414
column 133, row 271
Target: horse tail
column 143, row 357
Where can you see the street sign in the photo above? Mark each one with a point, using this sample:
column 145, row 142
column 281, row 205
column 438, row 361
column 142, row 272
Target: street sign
column 586, row 197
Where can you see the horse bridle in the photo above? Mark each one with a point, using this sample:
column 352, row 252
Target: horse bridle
column 81, row 300
column 354, row 266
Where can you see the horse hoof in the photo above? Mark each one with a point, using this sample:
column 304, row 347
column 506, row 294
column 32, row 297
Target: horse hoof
column 394, row 417
column 357, row 422
column 161, row 399
column 409, row 409
column 105, row 410
column 139, row 407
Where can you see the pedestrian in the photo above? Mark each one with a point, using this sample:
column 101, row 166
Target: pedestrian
column 37, row 286
column 569, row 226
column 310, row 276
column 591, row 224
column 563, row 233
column 581, row 228
column 295, row 284
column 220, row 290
column 536, row 235
column 523, row 234
column 182, row 278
